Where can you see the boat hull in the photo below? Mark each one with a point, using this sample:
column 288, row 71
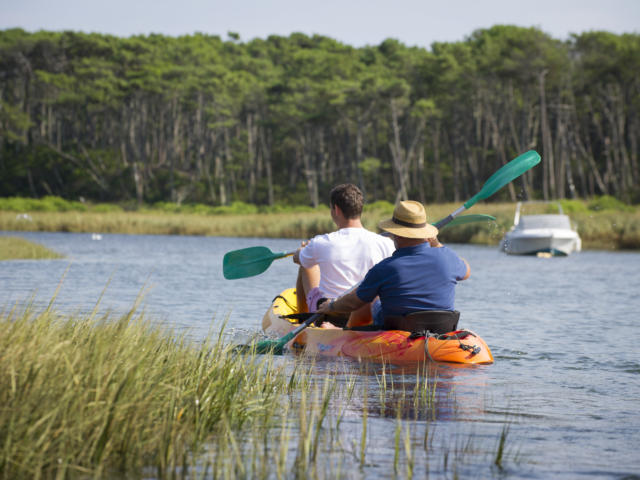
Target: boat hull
column 547, row 234
column 391, row 346
column 534, row 242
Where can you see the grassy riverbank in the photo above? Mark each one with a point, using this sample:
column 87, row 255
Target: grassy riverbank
column 87, row 397
column 602, row 223
column 14, row 248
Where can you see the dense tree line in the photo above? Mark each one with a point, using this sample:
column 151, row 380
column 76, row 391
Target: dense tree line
column 280, row 120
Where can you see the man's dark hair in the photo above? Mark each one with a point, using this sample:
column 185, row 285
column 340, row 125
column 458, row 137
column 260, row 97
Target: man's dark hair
column 349, row 198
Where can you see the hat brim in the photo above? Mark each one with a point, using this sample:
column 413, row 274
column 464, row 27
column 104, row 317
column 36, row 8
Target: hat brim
column 428, row 231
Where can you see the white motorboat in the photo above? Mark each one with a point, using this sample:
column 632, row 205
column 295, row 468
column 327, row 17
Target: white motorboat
column 543, row 235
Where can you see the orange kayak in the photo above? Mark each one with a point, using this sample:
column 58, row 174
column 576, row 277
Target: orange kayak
column 390, row 346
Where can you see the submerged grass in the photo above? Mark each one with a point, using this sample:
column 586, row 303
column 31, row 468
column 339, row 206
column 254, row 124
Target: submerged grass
column 98, row 396
column 15, row 248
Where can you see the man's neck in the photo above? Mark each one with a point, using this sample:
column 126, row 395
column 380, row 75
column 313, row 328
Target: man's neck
column 349, row 223
column 402, row 242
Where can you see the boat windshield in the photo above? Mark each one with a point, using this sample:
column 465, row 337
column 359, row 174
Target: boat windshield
column 544, row 221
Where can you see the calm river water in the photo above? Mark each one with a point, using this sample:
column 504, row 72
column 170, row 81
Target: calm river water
column 564, row 332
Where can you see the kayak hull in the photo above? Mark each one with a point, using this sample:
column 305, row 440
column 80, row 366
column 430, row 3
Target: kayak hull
column 392, row 346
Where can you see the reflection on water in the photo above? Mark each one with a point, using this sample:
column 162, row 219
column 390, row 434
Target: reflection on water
column 424, row 392
column 391, row 419
column 563, row 332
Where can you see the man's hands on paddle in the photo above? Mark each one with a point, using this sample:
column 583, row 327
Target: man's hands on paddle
column 434, row 242
column 296, row 256
column 346, row 303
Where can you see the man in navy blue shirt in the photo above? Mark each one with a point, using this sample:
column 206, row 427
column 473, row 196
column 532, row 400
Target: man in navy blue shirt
column 420, row 275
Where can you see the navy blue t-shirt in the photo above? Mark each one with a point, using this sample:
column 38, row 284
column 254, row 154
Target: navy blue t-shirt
column 414, row 278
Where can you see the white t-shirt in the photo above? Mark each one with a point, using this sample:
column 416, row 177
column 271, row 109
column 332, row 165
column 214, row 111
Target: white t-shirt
column 344, row 257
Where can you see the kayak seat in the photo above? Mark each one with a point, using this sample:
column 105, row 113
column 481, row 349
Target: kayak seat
column 434, row 321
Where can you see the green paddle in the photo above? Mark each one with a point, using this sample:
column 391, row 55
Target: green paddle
column 248, row 262
column 507, row 173
column 276, row 347
column 251, row 261
column 462, row 219
column 504, row 175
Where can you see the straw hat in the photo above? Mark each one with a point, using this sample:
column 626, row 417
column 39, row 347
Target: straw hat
column 409, row 221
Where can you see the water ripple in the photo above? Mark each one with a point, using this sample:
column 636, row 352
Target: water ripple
column 564, row 384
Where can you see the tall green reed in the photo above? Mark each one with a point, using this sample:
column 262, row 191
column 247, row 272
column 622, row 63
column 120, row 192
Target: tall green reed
column 103, row 396
column 117, row 395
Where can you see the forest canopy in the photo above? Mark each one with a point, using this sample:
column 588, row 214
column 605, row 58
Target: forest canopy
column 281, row 120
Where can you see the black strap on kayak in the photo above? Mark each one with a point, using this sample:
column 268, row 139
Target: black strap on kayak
column 284, row 300
column 339, row 322
column 474, row 349
column 300, row 317
column 440, row 336
column 457, row 335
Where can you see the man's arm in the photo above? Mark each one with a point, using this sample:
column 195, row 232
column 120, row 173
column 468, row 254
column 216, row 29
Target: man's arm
column 296, row 255
column 468, row 274
column 346, row 303
column 435, row 243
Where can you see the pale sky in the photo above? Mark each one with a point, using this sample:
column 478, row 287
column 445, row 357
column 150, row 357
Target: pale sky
column 354, row 22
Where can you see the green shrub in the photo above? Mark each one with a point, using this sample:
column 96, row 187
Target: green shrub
column 167, row 207
column 607, row 202
column 280, row 208
column 381, row 206
column 573, row 206
column 17, row 204
column 201, row 209
column 45, row 204
column 236, row 208
column 57, row 204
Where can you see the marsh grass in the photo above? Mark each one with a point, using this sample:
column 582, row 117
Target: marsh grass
column 103, row 397
column 100, row 396
column 15, row 248
column 602, row 223
column 272, row 225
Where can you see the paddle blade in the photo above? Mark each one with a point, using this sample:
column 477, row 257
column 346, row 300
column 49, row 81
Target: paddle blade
column 247, row 262
column 506, row 174
column 274, row 347
column 463, row 219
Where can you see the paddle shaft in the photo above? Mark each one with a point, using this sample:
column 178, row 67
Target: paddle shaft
column 293, row 333
column 279, row 255
column 449, row 218
column 276, row 347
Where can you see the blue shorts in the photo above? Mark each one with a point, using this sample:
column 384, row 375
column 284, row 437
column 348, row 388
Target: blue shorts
column 376, row 313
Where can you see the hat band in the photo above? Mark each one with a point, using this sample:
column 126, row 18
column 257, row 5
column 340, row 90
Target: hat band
column 408, row 224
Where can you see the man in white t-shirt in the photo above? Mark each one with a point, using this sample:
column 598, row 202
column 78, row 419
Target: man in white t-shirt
column 332, row 263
